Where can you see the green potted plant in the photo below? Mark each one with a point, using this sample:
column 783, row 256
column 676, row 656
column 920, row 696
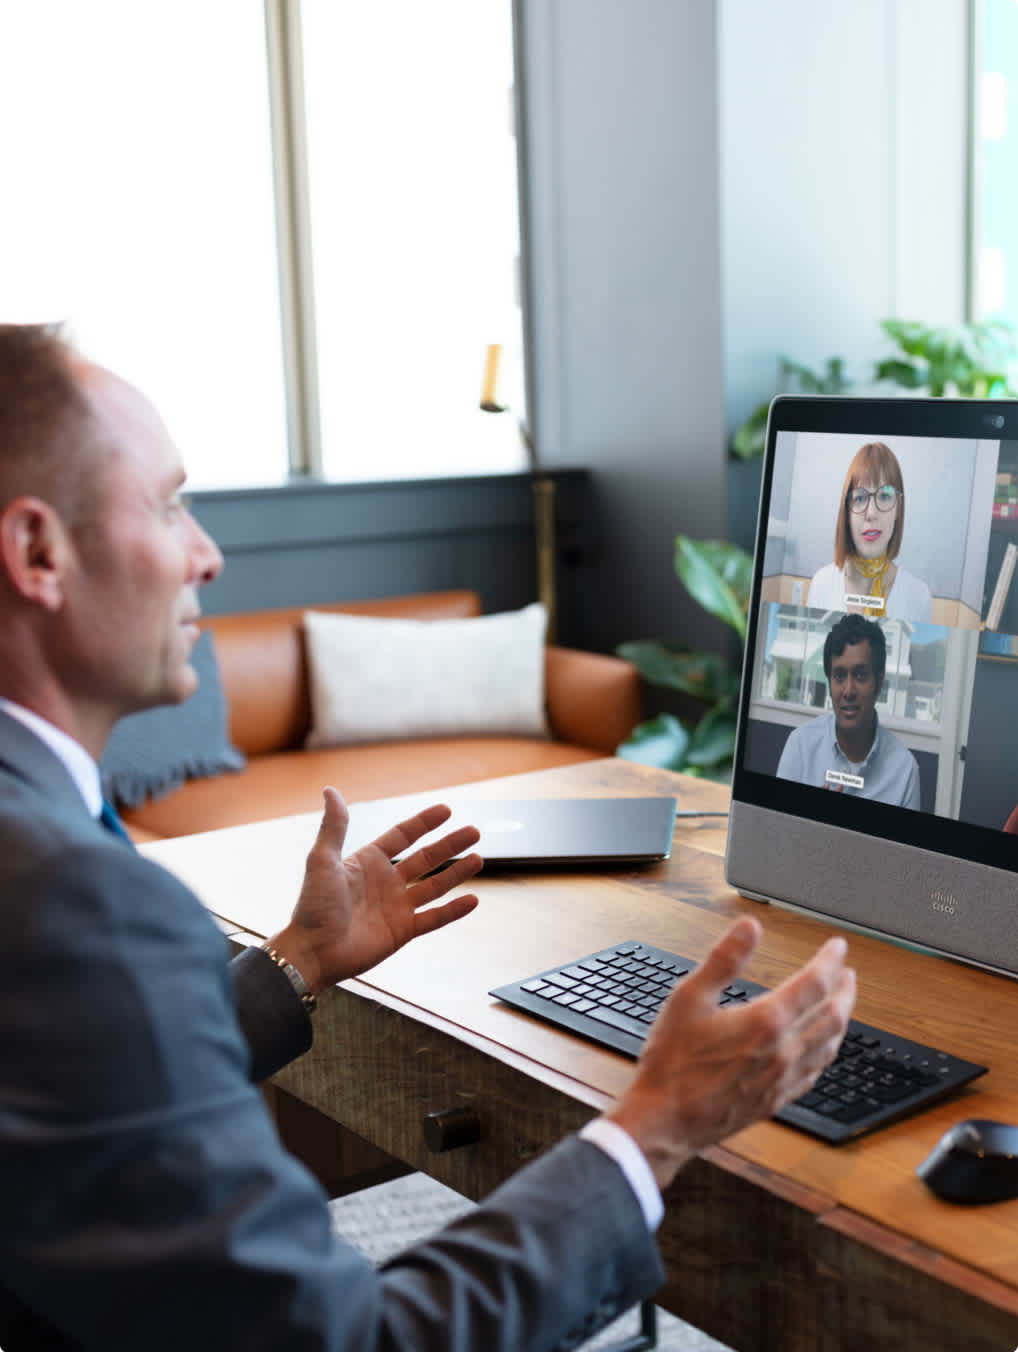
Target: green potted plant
column 972, row 360
column 718, row 576
column 793, row 379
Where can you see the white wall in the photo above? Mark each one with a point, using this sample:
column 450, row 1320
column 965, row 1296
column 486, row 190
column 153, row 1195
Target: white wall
column 709, row 184
column 843, row 179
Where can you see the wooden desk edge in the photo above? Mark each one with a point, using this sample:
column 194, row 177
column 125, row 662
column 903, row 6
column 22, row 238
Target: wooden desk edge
column 854, row 1226
column 555, row 1080
column 697, row 1238
column 539, row 1071
column 937, row 1265
column 825, row 1209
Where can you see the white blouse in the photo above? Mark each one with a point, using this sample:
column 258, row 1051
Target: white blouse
column 909, row 599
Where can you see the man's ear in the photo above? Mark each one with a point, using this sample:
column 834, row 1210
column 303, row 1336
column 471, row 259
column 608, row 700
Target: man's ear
column 34, row 550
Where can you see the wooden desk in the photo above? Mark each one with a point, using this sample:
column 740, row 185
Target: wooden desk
column 772, row 1240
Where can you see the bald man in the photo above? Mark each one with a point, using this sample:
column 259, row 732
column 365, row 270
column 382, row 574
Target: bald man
column 147, row 1202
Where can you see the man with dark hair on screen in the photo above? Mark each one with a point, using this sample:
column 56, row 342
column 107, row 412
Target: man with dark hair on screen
column 846, row 749
column 147, row 1200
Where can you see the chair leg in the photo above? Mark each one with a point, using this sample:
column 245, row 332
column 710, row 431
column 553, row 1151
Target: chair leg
column 647, row 1337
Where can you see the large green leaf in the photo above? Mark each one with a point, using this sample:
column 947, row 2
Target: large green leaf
column 718, row 575
column 909, row 336
column 713, row 741
column 658, row 742
column 905, row 374
column 965, row 359
column 705, row 675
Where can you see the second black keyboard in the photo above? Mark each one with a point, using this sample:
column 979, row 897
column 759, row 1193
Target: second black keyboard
column 612, row 997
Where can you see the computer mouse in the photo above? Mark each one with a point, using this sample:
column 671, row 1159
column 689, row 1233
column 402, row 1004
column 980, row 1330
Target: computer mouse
column 976, row 1161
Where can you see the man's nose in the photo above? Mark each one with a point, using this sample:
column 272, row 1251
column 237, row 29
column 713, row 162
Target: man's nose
column 206, row 555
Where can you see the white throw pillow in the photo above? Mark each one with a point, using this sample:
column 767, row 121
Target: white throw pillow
column 376, row 680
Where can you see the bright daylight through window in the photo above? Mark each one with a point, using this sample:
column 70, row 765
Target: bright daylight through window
column 139, row 208
column 412, row 168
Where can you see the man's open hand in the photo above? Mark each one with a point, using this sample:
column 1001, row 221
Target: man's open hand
column 354, row 911
column 707, row 1071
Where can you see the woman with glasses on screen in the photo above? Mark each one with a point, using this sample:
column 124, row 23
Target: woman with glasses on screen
column 864, row 576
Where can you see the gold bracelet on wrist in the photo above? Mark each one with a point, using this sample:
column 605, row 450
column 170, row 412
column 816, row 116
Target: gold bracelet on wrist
column 296, row 980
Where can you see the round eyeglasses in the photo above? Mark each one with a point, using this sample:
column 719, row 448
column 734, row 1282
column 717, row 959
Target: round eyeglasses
column 885, row 498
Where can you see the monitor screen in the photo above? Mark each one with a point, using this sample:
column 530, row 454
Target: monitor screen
column 876, row 771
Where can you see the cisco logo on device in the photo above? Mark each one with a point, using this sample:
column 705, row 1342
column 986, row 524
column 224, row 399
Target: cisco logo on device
column 943, row 902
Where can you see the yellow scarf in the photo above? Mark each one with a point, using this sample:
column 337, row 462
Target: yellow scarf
column 874, row 571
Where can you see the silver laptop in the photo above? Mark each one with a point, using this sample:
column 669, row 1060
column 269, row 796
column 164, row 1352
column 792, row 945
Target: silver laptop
column 578, row 832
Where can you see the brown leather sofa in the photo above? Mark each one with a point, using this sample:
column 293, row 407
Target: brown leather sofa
column 592, row 700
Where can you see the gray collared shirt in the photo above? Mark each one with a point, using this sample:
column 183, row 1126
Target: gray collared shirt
column 813, row 756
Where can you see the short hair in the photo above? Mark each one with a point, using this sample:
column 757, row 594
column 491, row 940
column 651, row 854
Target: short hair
column 855, row 629
column 46, row 421
column 877, row 463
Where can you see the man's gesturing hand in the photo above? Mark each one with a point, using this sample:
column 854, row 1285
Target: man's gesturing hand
column 706, row 1072
column 353, row 912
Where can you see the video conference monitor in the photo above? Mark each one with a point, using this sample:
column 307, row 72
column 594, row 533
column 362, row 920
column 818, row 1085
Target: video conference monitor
column 876, row 766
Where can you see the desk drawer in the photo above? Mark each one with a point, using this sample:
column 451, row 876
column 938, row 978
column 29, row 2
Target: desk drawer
column 381, row 1074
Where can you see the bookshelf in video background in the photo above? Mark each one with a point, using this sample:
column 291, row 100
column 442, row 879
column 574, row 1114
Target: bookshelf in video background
column 999, row 638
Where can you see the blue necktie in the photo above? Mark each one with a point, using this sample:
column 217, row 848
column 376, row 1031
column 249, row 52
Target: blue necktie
column 108, row 817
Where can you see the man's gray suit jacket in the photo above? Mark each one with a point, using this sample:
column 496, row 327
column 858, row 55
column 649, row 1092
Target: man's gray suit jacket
column 145, row 1200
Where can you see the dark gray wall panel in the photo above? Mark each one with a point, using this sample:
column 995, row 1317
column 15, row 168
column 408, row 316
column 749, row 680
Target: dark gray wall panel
column 309, row 543
column 623, row 282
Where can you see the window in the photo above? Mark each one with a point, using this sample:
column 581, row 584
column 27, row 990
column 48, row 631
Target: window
column 141, row 199
column 138, row 207
column 995, row 173
column 793, row 674
column 412, row 172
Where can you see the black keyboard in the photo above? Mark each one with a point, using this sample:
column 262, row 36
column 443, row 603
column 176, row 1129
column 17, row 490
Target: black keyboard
column 612, row 997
